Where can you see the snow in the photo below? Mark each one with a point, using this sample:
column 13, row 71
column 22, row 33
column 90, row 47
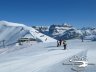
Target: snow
column 40, row 57
column 43, row 57
column 35, row 63
column 6, row 23
column 79, row 32
column 11, row 32
column 42, row 37
column 90, row 37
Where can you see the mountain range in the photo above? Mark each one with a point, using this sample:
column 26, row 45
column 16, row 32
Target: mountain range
column 66, row 31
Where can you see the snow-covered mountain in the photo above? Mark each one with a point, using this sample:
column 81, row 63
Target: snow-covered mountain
column 41, row 28
column 46, row 56
column 58, row 31
column 89, row 33
column 11, row 32
column 66, row 31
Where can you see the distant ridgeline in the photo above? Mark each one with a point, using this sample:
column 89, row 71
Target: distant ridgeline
column 65, row 31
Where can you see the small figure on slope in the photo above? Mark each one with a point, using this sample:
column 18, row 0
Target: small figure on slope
column 64, row 44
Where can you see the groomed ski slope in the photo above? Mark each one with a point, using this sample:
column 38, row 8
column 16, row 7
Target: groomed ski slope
column 42, row 57
column 36, row 62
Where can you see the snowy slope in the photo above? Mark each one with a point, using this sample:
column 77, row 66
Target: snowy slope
column 37, row 62
column 11, row 32
column 44, row 57
column 30, row 60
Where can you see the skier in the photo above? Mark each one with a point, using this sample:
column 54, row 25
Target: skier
column 58, row 43
column 64, row 44
column 82, row 38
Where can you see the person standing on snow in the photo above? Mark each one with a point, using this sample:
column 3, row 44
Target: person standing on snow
column 64, row 44
column 82, row 38
column 58, row 43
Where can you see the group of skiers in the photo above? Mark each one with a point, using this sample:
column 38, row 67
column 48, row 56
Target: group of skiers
column 60, row 42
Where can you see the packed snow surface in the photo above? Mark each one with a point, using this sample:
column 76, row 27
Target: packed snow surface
column 44, row 57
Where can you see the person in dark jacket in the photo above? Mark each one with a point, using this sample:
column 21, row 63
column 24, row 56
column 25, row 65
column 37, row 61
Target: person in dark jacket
column 64, row 44
column 58, row 43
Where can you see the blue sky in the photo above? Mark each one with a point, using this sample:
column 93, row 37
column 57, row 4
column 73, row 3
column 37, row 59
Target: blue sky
column 78, row 13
